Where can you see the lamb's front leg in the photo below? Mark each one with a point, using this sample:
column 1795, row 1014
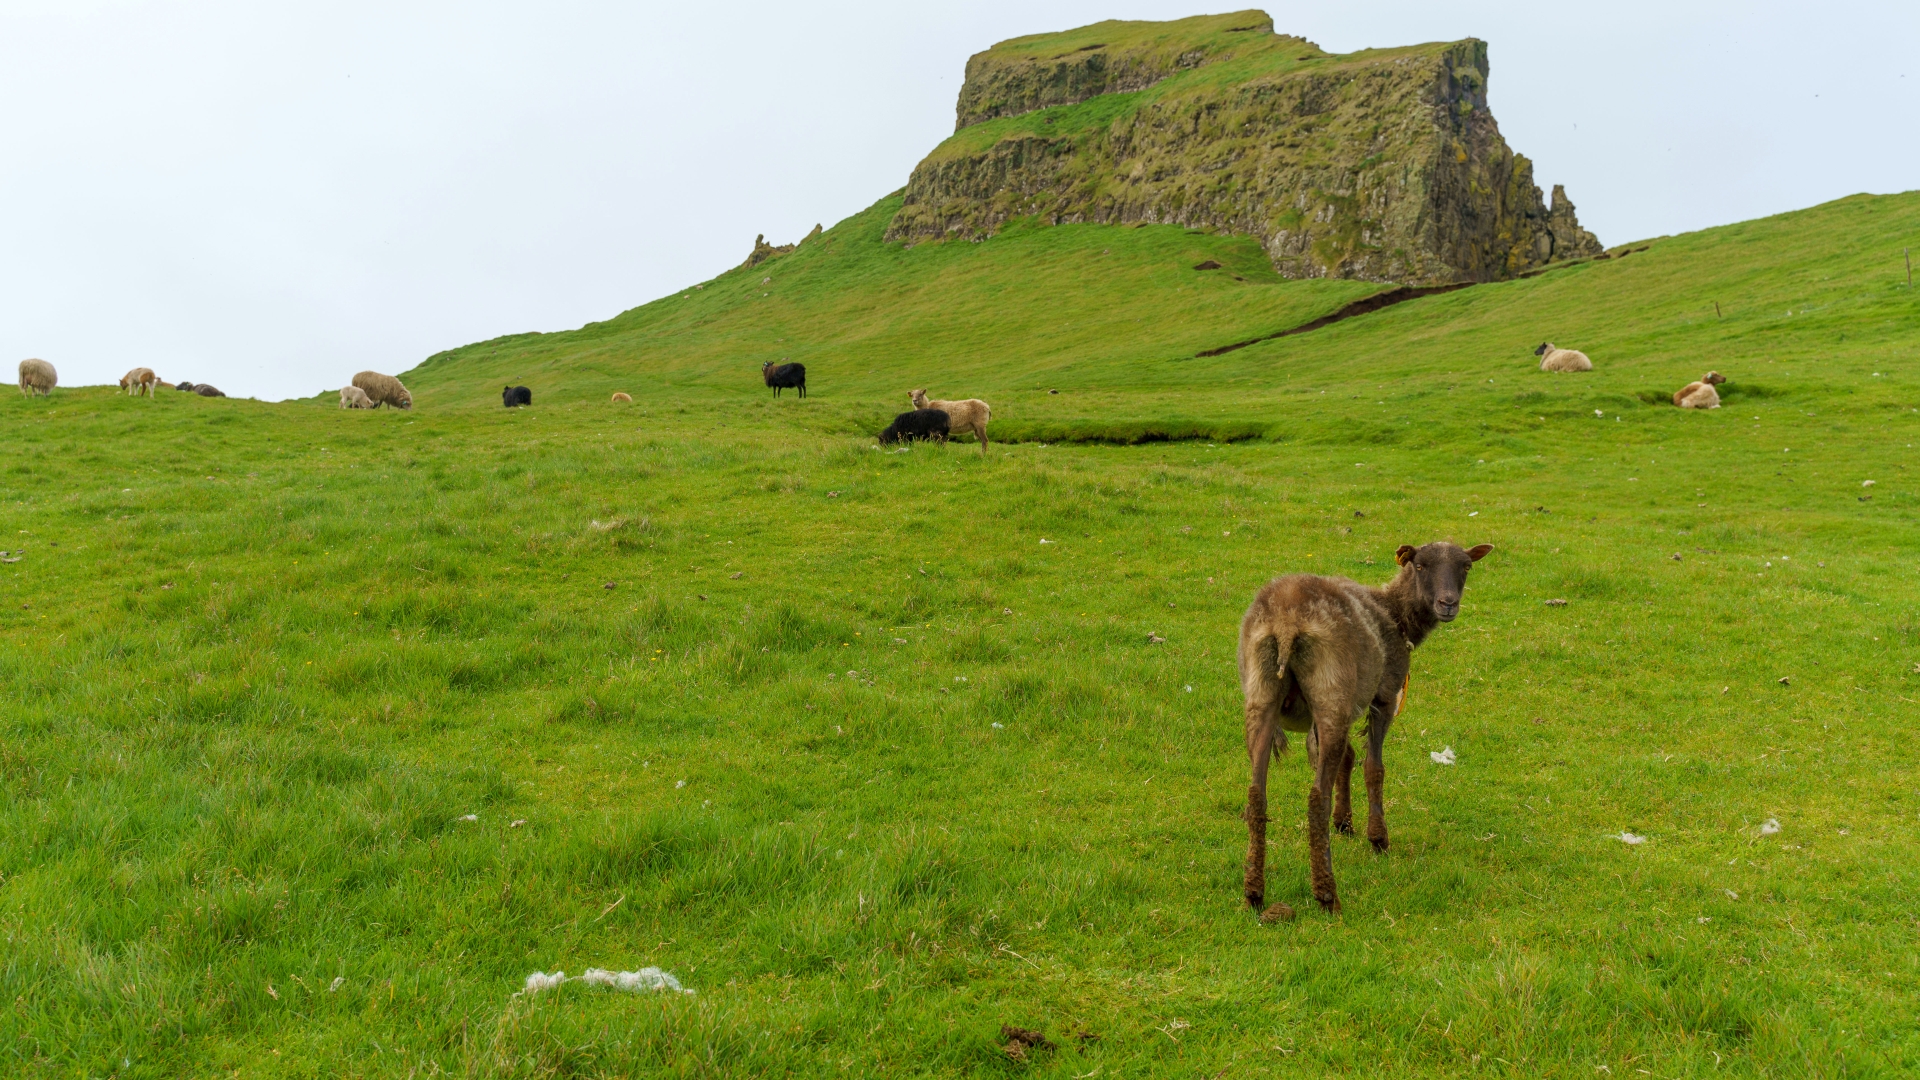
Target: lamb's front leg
column 1378, row 719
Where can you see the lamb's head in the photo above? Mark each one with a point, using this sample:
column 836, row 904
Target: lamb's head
column 918, row 397
column 406, row 399
column 1545, row 348
column 1714, row 378
column 1436, row 573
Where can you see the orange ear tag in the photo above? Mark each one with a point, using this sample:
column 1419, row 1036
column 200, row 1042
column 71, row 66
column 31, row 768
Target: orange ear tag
column 1401, row 701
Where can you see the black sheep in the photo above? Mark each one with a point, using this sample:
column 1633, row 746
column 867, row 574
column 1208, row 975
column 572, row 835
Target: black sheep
column 516, row 395
column 784, row 375
column 208, row 390
column 918, row 424
column 186, row 387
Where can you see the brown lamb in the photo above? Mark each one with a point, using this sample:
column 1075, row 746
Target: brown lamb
column 1317, row 652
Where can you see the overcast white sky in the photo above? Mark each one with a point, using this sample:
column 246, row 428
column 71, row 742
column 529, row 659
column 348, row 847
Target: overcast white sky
column 272, row 196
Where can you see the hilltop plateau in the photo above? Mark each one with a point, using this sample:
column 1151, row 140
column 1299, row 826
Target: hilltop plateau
column 1380, row 165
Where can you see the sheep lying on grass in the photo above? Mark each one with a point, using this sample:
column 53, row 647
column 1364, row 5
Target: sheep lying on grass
column 139, row 381
column 384, row 390
column 352, row 397
column 621, row 397
column 515, row 396
column 918, row 424
column 1700, row 395
column 1555, row 358
column 208, row 390
column 969, row 415
column 37, row 377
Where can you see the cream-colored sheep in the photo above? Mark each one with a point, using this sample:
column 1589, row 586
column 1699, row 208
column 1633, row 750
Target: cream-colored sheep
column 1700, row 395
column 971, row 414
column 352, row 397
column 384, row 390
column 1555, row 358
column 622, row 397
column 37, row 377
column 139, row 381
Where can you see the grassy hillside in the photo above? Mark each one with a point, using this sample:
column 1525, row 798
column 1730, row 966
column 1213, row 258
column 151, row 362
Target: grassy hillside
column 830, row 734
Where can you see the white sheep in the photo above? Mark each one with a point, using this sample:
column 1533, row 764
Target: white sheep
column 971, row 414
column 384, row 390
column 37, row 377
column 1700, row 395
column 352, row 397
column 1555, row 358
column 139, row 381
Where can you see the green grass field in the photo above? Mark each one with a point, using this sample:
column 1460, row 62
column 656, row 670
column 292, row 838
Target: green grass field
column 833, row 736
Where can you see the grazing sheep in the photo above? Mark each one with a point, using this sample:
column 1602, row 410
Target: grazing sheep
column 352, row 397
column 139, row 381
column 1315, row 653
column 514, row 396
column 384, row 390
column 208, row 390
column 37, row 377
column 780, row 376
column 1700, row 395
column 1555, row 358
column 621, row 397
column 918, row 424
column 969, row 415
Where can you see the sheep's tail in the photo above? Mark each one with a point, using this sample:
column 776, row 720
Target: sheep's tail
column 986, row 411
column 1264, row 652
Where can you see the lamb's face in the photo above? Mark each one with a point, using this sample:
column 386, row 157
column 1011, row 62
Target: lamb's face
column 1440, row 573
column 1545, row 346
column 1714, row 378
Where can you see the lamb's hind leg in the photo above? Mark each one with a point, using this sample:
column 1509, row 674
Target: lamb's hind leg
column 1330, row 735
column 1343, row 793
column 1263, row 735
column 1262, row 727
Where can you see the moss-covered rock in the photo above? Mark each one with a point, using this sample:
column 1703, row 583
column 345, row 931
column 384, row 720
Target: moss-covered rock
column 1381, row 165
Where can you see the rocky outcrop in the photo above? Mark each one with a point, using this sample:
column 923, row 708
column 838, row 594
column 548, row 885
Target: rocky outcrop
column 762, row 251
column 1384, row 165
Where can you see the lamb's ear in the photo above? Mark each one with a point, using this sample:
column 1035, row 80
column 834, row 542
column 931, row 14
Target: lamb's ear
column 1404, row 555
column 1480, row 552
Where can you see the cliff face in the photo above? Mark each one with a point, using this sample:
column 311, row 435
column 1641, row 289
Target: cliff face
column 1381, row 165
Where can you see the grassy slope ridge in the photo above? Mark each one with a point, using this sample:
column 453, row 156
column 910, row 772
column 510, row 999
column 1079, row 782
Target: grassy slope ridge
column 850, row 751
column 1112, row 317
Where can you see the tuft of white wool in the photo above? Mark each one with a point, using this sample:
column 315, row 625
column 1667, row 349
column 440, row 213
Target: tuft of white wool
column 1630, row 839
column 1769, row 826
column 649, row 978
column 1442, row 757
